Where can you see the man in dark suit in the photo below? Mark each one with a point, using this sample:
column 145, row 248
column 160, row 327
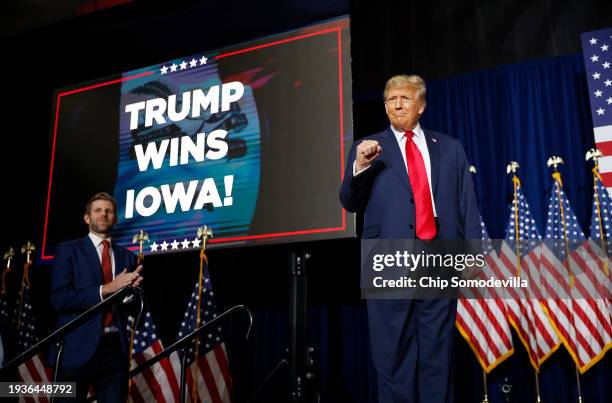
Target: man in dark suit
column 411, row 183
column 86, row 271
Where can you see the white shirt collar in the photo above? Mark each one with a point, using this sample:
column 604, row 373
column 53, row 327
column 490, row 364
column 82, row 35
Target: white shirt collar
column 418, row 132
column 97, row 240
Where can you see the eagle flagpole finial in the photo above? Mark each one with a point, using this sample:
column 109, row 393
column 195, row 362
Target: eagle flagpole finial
column 204, row 233
column 27, row 249
column 593, row 154
column 554, row 162
column 140, row 238
column 512, row 167
column 8, row 256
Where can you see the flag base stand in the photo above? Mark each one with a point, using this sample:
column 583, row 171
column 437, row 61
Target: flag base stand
column 301, row 374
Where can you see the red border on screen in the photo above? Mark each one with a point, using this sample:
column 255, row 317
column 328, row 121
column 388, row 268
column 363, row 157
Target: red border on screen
column 337, row 30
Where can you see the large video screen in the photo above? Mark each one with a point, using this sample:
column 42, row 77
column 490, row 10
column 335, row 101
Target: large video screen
column 249, row 140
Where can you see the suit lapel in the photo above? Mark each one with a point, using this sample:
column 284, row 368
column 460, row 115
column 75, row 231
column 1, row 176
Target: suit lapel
column 434, row 159
column 92, row 257
column 394, row 158
column 119, row 260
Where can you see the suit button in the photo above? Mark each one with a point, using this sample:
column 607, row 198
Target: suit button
column 411, row 226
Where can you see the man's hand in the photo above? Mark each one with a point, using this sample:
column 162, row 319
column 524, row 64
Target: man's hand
column 367, row 152
column 121, row 280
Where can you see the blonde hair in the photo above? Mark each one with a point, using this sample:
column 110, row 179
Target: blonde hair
column 403, row 80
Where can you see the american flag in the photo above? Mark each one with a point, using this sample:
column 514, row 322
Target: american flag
column 601, row 234
column 5, row 318
column 597, row 50
column 209, row 375
column 568, row 269
column 519, row 256
column 33, row 370
column 159, row 383
column 601, row 230
column 482, row 321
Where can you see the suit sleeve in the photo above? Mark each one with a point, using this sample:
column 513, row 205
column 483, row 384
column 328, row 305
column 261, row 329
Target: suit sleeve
column 66, row 298
column 128, row 261
column 470, row 214
column 355, row 190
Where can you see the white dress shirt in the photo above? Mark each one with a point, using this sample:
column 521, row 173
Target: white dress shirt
column 97, row 242
column 421, row 143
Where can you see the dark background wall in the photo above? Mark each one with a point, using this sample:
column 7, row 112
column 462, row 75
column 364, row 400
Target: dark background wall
column 436, row 39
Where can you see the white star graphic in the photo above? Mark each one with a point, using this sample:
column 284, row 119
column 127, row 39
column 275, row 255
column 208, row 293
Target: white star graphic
column 174, row 245
column 164, row 245
column 600, row 111
column 609, row 101
column 183, row 65
column 608, row 82
column 154, row 246
column 193, row 63
column 604, row 48
column 164, row 70
column 597, row 93
column 606, row 65
column 203, row 60
column 196, row 242
column 594, row 58
column 185, row 243
column 173, row 67
column 596, row 76
column 593, row 41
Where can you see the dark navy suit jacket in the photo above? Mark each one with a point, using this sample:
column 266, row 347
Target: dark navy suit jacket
column 75, row 287
column 383, row 191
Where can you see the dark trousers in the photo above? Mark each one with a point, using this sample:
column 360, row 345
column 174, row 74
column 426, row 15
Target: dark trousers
column 106, row 371
column 412, row 344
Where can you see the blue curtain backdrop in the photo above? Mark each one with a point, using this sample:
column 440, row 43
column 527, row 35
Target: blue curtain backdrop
column 524, row 112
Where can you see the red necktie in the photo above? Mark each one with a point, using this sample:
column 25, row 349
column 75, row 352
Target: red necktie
column 425, row 224
column 107, row 275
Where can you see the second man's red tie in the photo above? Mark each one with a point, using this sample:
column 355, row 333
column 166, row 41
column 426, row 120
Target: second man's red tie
column 107, row 275
column 425, row 224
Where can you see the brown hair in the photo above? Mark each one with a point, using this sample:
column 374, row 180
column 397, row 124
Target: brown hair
column 404, row 80
column 100, row 196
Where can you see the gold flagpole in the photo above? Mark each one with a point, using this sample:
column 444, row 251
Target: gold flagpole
column 554, row 161
column 537, row 384
column 486, row 393
column 595, row 155
column 139, row 238
column 203, row 234
column 26, row 249
column 512, row 167
column 8, row 256
column 484, row 373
